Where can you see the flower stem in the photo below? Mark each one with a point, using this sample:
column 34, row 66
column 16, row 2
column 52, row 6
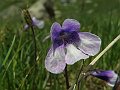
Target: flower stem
column 35, row 59
column 29, row 21
column 67, row 79
column 79, row 75
column 35, row 48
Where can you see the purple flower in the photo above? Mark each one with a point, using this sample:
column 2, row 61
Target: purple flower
column 107, row 75
column 35, row 22
column 69, row 45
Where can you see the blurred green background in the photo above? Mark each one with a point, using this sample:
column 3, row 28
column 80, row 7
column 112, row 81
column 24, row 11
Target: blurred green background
column 101, row 17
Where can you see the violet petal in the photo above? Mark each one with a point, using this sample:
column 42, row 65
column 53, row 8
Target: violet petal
column 109, row 76
column 90, row 43
column 71, row 24
column 55, row 30
column 26, row 26
column 38, row 23
column 55, row 62
column 56, row 43
column 73, row 54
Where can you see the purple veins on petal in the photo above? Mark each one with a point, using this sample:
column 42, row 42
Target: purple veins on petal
column 55, row 61
column 73, row 54
column 90, row 43
column 73, row 37
column 107, row 75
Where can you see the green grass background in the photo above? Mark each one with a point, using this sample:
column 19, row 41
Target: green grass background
column 101, row 17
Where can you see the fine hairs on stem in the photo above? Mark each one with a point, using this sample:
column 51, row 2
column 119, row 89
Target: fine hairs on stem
column 95, row 60
column 66, row 78
column 81, row 68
